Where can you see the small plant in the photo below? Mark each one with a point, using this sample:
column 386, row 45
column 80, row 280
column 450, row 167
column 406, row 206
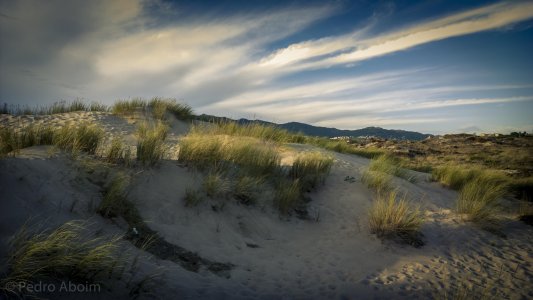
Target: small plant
column 246, row 189
column 216, row 185
column 128, row 107
column 159, row 108
column 69, row 251
column 288, row 196
column 116, row 151
column 390, row 165
column 311, row 169
column 478, row 199
column 192, row 197
column 376, row 180
column 223, row 152
column 390, row 216
column 114, row 203
column 455, row 177
column 82, row 138
column 150, row 145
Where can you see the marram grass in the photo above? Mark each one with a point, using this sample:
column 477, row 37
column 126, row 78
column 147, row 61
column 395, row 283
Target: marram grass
column 69, row 251
column 390, row 215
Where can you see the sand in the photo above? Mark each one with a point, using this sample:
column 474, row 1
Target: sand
column 330, row 256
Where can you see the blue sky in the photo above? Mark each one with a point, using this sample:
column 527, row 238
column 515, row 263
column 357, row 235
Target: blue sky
column 429, row 66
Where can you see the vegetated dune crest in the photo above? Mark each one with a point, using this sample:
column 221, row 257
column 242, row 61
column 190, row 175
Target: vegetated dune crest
column 331, row 254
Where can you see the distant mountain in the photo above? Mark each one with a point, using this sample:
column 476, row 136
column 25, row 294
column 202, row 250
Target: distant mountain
column 327, row 131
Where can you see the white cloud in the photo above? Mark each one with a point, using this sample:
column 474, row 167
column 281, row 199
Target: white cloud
column 486, row 18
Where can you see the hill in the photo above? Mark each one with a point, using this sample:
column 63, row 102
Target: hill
column 330, row 132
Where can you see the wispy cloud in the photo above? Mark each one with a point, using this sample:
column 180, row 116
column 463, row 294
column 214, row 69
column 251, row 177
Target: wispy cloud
column 227, row 64
column 357, row 48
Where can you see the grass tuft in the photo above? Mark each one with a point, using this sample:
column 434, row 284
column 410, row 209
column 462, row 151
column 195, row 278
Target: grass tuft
column 192, row 197
column 73, row 139
column 246, row 189
column 216, row 185
column 311, row 169
column 378, row 181
column 69, row 251
column 150, row 144
column 288, row 196
column 390, row 216
column 478, row 199
column 223, row 152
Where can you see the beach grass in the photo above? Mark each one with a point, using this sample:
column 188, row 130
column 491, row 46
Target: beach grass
column 311, row 168
column 392, row 215
column 69, row 251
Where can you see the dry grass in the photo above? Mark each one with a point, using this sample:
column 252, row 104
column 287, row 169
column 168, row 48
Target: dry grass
column 390, row 215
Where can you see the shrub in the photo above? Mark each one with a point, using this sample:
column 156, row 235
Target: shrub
column 150, row 144
column 311, row 168
column 390, row 216
column 288, row 196
column 69, row 251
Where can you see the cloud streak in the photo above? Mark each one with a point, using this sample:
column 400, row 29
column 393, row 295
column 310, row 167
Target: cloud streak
column 228, row 64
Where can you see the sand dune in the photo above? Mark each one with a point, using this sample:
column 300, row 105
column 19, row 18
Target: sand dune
column 331, row 255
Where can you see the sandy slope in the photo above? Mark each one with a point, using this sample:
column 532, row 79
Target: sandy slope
column 332, row 256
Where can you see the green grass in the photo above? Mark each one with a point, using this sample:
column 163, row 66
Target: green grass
column 85, row 137
column 390, row 165
column 127, row 107
column 376, row 180
column 311, row 168
column 193, row 197
column 246, row 189
column 222, row 152
column 216, row 185
column 157, row 106
column 391, row 215
column 479, row 199
column 256, row 130
column 150, row 143
column 55, row 108
column 70, row 251
column 288, row 196
column 11, row 140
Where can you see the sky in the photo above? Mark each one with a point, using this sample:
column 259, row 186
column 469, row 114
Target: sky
column 428, row 66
